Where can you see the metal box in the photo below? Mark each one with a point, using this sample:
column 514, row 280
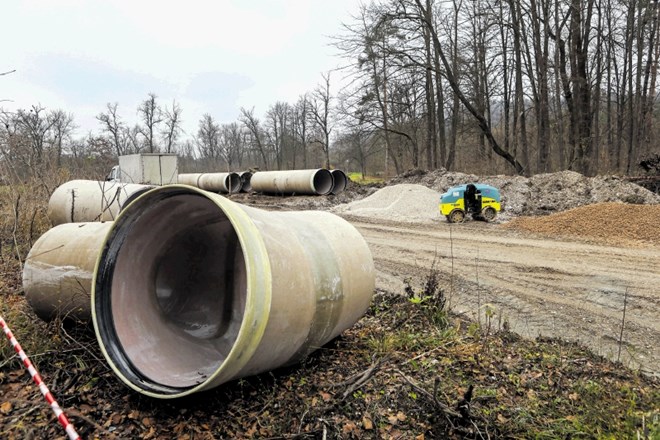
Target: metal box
column 149, row 168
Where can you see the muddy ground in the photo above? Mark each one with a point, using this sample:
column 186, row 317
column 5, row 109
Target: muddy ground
column 541, row 267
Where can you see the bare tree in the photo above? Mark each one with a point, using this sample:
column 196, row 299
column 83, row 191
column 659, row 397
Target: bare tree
column 208, row 138
column 451, row 79
column 321, row 112
column 61, row 130
column 431, row 129
column 173, row 129
column 151, row 115
column 253, row 125
column 300, row 118
column 519, row 111
column 34, row 126
column 277, row 117
column 132, row 138
column 357, row 142
column 231, row 140
column 114, row 127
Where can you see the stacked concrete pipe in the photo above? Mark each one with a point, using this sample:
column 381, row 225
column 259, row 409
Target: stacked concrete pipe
column 226, row 183
column 90, row 200
column 308, row 182
column 191, row 290
column 220, row 182
column 191, row 179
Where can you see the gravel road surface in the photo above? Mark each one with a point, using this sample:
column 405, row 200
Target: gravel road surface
column 541, row 286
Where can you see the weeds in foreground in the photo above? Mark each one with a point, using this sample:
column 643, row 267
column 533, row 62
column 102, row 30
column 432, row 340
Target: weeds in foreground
column 419, row 381
column 431, row 299
column 545, row 388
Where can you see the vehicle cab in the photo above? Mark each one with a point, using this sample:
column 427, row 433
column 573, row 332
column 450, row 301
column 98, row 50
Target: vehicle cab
column 482, row 201
column 113, row 176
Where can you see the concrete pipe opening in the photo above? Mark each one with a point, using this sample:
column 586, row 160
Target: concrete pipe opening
column 246, row 176
column 175, row 293
column 340, row 182
column 235, row 183
column 322, row 182
column 192, row 290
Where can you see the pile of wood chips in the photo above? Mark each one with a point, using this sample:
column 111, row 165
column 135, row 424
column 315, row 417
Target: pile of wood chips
column 608, row 223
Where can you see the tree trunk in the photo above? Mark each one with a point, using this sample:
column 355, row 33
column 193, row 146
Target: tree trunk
column 431, row 134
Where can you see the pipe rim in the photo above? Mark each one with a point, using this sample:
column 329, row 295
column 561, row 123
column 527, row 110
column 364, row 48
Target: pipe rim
column 234, row 183
column 257, row 296
column 339, row 181
column 134, row 196
column 322, row 181
column 245, row 176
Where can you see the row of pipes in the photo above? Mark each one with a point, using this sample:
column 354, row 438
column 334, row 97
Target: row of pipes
column 88, row 200
column 306, row 182
column 187, row 289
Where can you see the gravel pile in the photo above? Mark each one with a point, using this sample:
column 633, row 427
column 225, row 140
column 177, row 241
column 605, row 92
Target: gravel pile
column 401, row 203
column 613, row 223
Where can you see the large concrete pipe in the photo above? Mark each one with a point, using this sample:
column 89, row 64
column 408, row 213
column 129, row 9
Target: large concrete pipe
column 220, row 182
column 193, row 290
column 339, row 182
column 293, row 182
column 191, row 179
column 58, row 271
column 246, row 177
column 90, row 200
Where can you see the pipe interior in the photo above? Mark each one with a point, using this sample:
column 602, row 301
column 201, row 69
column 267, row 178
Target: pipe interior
column 339, row 181
column 322, row 182
column 178, row 290
column 235, row 183
column 246, row 186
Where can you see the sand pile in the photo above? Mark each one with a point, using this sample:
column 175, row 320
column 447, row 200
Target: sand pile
column 400, row 203
column 612, row 223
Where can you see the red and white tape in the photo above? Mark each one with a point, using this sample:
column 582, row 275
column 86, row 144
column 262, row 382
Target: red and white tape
column 68, row 427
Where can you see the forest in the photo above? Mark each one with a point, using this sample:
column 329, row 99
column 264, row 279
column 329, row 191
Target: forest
column 510, row 87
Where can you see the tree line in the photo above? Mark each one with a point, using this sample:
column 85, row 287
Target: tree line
column 534, row 85
column 484, row 86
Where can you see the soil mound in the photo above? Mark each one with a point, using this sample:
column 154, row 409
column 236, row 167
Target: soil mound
column 612, row 223
column 541, row 194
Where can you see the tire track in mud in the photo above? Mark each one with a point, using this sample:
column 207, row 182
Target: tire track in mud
column 560, row 288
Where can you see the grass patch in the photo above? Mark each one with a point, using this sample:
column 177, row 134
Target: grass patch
column 364, row 180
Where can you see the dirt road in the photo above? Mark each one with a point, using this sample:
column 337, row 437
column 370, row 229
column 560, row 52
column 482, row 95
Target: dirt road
column 548, row 287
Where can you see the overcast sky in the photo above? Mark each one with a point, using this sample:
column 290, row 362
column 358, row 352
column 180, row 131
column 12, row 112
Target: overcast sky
column 212, row 56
